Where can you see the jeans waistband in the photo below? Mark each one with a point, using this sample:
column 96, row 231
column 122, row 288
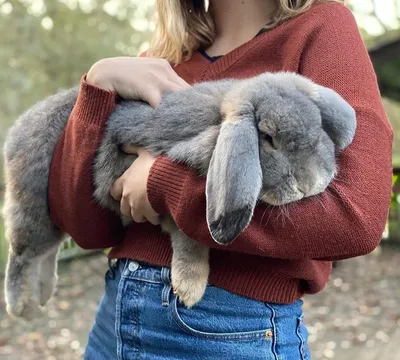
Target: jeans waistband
column 136, row 270
column 133, row 269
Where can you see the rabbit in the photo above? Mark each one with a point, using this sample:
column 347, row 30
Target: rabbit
column 271, row 138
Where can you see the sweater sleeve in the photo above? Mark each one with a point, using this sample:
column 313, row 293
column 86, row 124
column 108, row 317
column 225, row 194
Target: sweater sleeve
column 71, row 203
column 348, row 219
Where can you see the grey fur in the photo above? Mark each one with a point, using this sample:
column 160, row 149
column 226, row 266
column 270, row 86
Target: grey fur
column 237, row 144
column 274, row 135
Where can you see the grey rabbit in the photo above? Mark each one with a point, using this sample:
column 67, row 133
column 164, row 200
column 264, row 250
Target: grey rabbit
column 271, row 138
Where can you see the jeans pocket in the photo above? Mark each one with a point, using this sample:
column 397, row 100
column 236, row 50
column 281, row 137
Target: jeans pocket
column 199, row 320
column 302, row 334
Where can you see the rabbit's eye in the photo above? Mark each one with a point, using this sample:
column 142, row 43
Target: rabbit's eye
column 268, row 138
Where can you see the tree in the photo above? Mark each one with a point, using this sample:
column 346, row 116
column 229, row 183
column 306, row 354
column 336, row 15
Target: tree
column 47, row 45
column 379, row 21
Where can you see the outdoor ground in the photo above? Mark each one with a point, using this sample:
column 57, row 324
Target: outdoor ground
column 357, row 317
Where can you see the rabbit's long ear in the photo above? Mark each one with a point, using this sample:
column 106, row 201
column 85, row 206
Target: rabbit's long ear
column 338, row 117
column 234, row 179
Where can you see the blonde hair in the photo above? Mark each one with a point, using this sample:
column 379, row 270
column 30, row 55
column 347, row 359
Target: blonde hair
column 184, row 26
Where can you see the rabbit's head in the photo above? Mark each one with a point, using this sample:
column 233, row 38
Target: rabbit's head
column 277, row 143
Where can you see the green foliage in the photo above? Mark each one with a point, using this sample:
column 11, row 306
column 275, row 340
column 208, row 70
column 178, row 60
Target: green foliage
column 389, row 78
column 395, row 199
column 394, row 216
column 393, row 111
column 47, row 45
column 379, row 23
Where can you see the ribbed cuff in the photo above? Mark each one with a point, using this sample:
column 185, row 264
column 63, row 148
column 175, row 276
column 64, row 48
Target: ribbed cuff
column 94, row 105
column 164, row 185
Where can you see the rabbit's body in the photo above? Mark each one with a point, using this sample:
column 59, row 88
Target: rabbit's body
column 273, row 126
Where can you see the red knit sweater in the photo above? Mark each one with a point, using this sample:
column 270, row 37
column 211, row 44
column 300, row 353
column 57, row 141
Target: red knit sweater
column 275, row 259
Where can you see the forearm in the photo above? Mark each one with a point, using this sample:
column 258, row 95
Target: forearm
column 71, row 202
column 343, row 222
column 348, row 219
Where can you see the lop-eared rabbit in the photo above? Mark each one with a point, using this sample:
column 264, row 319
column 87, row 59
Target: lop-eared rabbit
column 272, row 138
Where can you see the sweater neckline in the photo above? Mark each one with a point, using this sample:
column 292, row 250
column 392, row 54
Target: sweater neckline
column 216, row 57
column 200, row 68
column 208, row 57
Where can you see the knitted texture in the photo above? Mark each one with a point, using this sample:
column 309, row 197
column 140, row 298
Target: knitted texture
column 282, row 254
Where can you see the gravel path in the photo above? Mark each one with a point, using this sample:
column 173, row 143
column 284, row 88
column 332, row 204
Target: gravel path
column 61, row 334
column 357, row 316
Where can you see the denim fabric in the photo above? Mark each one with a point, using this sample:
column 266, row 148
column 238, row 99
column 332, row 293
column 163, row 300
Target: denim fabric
column 140, row 318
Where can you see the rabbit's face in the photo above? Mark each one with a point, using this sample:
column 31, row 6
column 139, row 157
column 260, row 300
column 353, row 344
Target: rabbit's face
column 277, row 143
column 297, row 156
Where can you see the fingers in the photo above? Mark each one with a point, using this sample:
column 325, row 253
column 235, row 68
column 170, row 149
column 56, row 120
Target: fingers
column 183, row 83
column 152, row 96
column 116, row 189
column 172, row 87
column 128, row 209
column 131, row 149
column 116, row 192
column 125, row 207
column 173, row 77
column 153, row 219
column 137, row 218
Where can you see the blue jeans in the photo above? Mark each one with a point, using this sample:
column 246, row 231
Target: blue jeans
column 140, row 318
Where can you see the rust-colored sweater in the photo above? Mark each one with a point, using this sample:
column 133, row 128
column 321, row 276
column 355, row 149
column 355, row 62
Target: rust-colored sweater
column 275, row 259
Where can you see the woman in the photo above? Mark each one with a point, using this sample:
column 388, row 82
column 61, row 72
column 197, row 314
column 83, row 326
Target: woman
column 252, row 307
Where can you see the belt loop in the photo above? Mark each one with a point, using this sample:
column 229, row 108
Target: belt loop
column 165, row 277
column 111, row 268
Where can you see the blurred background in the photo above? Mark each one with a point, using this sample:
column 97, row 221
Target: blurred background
column 46, row 45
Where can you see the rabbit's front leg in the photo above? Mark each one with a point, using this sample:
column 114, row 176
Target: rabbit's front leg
column 189, row 268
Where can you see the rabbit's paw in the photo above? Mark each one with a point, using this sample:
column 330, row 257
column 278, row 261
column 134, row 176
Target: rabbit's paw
column 27, row 303
column 24, row 292
column 23, row 307
column 47, row 277
column 47, row 288
column 190, row 285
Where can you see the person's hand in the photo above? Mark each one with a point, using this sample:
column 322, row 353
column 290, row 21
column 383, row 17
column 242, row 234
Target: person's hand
column 143, row 79
column 136, row 78
column 131, row 188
